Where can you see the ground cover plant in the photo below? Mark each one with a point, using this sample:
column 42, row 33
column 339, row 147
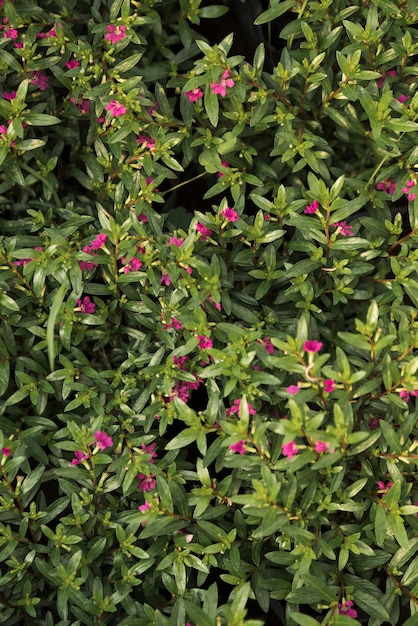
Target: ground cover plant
column 208, row 312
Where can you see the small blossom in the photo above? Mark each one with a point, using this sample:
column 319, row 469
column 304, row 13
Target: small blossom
column 98, row 241
column 173, row 323
column 176, row 242
column 321, row 446
column 386, row 185
column 384, row 76
column 224, row 164
column 406, row 395
column 238, row 447
column 10, row 33
column 290, row 449
column 410, row 184
column 80, row 456
column 103, row 440
column 384, row 488
column 9, row 95
column 235, row 408
column 50, row 33
column 5, row 451
column 203, row 230
column 85, row 305
column 293, row 389
column 88, row 265
column 345, row 229
column 220, row 87
column 144, row 507
column 18, row 44
column 131, row 266
column 402, row 98
column 345, row 609
column 312, row 208
column 165, row 278
column 40, row 79
column 115, row 33
column 329, row 385
column 146, row 483
column 116, row 108
column 230, row 214
column 194, row 94
column 204, row 342
column 150, row 449
column 374, row 423
column 82, row 104
column 73, row 63
column 143, row 218
column 267, row 343
column 312, row 345
column 148, row 141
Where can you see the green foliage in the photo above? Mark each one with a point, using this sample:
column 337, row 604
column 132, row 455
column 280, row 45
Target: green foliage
column 206, row 408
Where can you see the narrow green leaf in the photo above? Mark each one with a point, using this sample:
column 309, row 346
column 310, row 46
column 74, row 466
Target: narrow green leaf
column 53, row 314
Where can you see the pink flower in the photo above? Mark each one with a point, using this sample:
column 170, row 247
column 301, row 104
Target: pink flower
column 204, row 342
column 18, row 44
column 386, row 185
column 116, row 108
column 115, row 33
column 224, row 164
column 39, row 78
column 293, row 389
column 402, row 98
column 165, row 278
column 312, row 208
column 203, row 230
column 79, row 457
column 176, row 242
column 230, row 214
column 146, row 483
column 98, row 241
column 345, row 229
column 87, row 265
column 10, row 33
column 329, row 385
column 173, row 323
column 148, row 141
column 345, row 609
column 321, row 446
column 50, row 33
column 384, row 488
column 220, row 87
column 290, row 449
column 82, row 104
column 238, row 447
column 85, row 305
column 149, row 450
column 103, row 440
column 131, row 266
column 9, row 95
column 384, row 76
column 194, row 94
column 312, row 345
column 144, row 507
column 374, row 423
column 143, row 218
column 235, row 408
column 407, row 190
column 406, row 395
column 5, row 451
column 266, row 341
column 73, row 63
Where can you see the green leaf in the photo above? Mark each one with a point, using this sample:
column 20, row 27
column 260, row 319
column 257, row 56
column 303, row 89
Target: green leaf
column 304, row 620
column 274, row 12
column 50, row 328
column 41, row 119
column 211, row 104
column 320, row 588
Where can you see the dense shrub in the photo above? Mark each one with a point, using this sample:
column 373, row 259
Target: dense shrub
column 208, row 309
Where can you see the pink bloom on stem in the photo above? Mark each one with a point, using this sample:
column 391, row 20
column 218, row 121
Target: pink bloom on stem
column 146, row 483
column 329, row 385
column 407, row 190
column 176, row 242
column 143, row 218
column 345, row 229
column 103, row 440
column 144, row 507
column 9, row 95
column 116, row 108
column 82, row 104
column 384, row 488
column 224, row 164
column 194, row 94
column 204, row 342
column 165, row 278
column 402, row 98
column 39, row 78
column 10, row 33
column 312, row 345
column 85, row 305
column 384, row 76
column 18, row 44
column 238, row 447
column 235, row 408
column 345, row 609
column 73, row 63
column 203, row 230
column 266, row 341
column 115, row 33
column 5, row 451
column 148, row 141
column 150, row 449
column 230, row 214
column 406, row 395
column 386, row 185
column 321, row 446
column 290, row 449
column 220, row 87
column 293, row 389
column 87, row 265
column 98, row 241
column 79, row 457
column 131, row 266
column 312, row 208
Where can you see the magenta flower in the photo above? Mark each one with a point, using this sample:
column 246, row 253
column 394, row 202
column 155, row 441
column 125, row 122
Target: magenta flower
column 165, row 278
column 289, row 449
column 144, row 507
column 115, row 33
column 80, row 456
column 39, row 78
column 329, row 385
column 149, row 450
column 86, row 305
column 98, row 241
column 238, row 447
column 148, row 141
column 18, row 44
column 293, row 389
column 410, row 184
column 9, row 95
column 116, row 108
column 384, row 488
column 224, row 164
column 402, row 98
column 146, row 483
column 173, row 323
column 143, row 218
column 386, row 185
column 5, row 451
column 374, row 423
column 345, row 229
column 194, row 94
column 404, row 394
column 345, row 609
column 230, row 214
column 321, row 446
column 131, row 266
column 204, row 342
column 10, row 33
column 266, row 341
column 220, row 87
column 235, row 408
column 73, row 63
column 203, row 230
column 103, row 440
column 176, row 242
column 384, row 76
column 312, row 208
column 88, row 265
column 50, row 33
column 82, row 104
column 312, row 345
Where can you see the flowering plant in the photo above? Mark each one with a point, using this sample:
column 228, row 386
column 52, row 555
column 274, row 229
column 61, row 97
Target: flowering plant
column 208, row 411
